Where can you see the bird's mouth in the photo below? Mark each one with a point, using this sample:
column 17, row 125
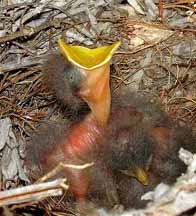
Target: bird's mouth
column 86, row 58
column 95, row 66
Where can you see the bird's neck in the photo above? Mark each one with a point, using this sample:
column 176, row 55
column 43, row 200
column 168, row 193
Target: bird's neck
column 101, row 111
column 99, row 98
column 83, row 138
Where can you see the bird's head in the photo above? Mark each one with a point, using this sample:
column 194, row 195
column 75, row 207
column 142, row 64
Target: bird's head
column 92, row 67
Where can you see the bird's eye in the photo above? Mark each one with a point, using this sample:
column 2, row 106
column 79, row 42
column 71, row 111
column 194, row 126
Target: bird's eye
column 71, row 77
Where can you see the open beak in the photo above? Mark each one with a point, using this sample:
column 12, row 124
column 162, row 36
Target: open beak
column 95, row 65
column 140, row 174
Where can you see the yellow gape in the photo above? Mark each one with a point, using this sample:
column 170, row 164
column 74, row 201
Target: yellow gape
column 95, row 65
column 86, row 58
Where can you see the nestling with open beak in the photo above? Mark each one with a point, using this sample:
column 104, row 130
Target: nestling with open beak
column 133, row 137
column 78, row 142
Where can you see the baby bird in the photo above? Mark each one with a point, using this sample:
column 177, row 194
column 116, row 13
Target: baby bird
column 134, row 145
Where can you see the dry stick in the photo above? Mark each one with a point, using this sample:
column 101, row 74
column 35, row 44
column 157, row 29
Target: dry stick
column 183, row 98
column 29, row 31
column 143, row 47
column 39, row 190
column 34, row 192
column 173, row 4
column 161, row 9
column 24, row 64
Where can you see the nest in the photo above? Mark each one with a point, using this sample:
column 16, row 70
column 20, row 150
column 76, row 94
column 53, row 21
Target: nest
column 157, row 57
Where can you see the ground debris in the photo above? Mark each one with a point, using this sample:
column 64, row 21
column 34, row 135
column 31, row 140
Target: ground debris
column 157, row 56
column 11, row 162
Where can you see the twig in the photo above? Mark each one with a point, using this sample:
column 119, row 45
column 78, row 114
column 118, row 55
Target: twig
column 161, row 9
column 29, row 31
column 24, row 64
column 33, row 193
